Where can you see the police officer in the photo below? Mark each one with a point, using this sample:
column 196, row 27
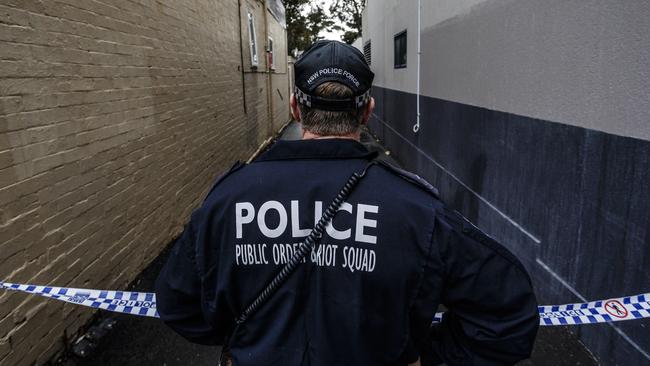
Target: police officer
column 367, row 292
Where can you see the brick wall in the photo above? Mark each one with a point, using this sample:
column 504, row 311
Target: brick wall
column 115, row 117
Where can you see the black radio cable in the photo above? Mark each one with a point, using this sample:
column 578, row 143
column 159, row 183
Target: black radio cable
column 305, row 247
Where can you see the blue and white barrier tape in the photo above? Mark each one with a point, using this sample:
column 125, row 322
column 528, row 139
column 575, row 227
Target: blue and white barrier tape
column 144, row 304
column 135, row 303
column 601, row 311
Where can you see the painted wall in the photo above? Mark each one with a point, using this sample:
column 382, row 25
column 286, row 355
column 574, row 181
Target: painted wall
column 534, row 125
column 279, row 74
column 264, row 83
column 584, row 64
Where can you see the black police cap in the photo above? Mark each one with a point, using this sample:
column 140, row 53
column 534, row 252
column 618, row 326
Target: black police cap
column 332, row 61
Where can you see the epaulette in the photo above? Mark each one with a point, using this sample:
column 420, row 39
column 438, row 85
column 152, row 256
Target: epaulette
column 238, row 165
column 411, row 177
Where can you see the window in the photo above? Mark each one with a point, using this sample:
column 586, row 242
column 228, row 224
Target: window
column 252, row 38
column 400, row 50
column 367, row 52
column 270, row 52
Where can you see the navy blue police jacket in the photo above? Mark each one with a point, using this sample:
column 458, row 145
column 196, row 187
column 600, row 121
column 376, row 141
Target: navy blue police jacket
column 367, row 293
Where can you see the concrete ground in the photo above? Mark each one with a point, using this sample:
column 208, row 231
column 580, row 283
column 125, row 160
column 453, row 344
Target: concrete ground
column 136, row 341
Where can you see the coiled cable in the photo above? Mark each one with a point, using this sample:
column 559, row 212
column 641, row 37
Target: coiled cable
column 305, row 247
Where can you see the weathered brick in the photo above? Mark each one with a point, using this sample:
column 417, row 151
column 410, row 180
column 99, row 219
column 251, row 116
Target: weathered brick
column 26, row 332
column 5, row 348
column 6, row 324
column 112, row 128
column 46, row 349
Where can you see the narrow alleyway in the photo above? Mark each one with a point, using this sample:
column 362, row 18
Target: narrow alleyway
column 137, row 341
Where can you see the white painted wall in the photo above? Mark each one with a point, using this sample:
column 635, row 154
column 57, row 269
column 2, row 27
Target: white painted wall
column 358, row 44
column 584, row 63
column 386, row 18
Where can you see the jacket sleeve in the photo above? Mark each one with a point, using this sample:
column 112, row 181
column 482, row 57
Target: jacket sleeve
column 492, row 315
column 178, row 291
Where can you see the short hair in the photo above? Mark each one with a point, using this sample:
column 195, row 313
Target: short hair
column 331, row 123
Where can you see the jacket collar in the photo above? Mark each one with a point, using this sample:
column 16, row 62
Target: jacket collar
column 317, row 149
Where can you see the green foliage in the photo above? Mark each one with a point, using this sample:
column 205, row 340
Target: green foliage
column 349, row 13
column 304, row 22
column 350, row 36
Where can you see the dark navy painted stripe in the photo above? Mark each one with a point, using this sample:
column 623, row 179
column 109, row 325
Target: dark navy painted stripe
column 584, row 194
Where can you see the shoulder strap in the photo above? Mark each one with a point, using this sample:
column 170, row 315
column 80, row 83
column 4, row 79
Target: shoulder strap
column 411, row 177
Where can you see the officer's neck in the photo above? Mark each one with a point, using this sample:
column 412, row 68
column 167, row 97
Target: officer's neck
column 306, row 135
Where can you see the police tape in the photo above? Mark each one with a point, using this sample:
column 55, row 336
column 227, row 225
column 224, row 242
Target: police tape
column 600, row 311
column 144, row 304
column 135, row 303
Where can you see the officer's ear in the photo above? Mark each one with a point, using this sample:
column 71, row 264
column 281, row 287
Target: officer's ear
column 295, row 110
column 367, row 111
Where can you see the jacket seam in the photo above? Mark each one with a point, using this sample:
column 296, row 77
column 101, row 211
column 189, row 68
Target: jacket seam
column 488, row 242
column 425, row 264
